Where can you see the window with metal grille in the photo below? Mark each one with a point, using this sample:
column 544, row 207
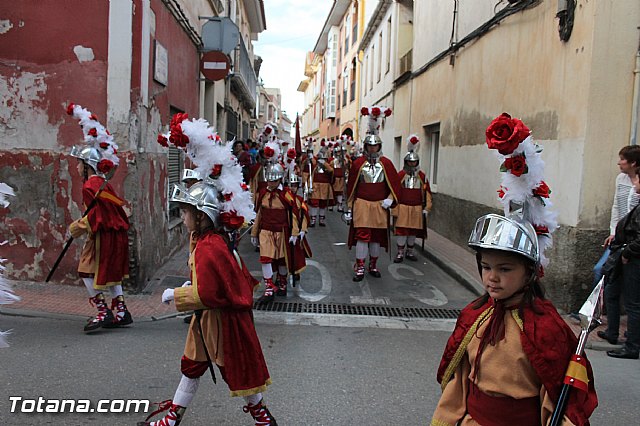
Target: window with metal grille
column 174, row 173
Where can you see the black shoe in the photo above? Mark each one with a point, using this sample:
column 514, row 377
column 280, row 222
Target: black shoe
column 375, row 273
column 281, row 292
column 603, row 335
column 398, row 259
column 358, row 277
column 96, row 323
column 266, row 299
column 623, row 353
column 411, row 257
column 116, row 323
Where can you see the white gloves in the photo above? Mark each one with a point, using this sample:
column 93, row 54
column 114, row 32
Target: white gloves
column 348, row 217
column 186, row 284
column 301, row 235
column 254, row 241
column 386, row 203
column 293, row 239
column 167, row 296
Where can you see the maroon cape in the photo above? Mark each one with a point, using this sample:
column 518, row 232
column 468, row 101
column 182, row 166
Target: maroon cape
column 548, row 343
column 392, row 187
column 109, row 224
column 225, row 285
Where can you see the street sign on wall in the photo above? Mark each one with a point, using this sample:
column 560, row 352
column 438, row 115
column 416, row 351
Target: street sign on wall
column 215, row 65
column 220, row 34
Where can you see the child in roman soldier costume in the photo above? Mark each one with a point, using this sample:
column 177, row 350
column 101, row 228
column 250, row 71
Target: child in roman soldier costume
column 372, row 189
column 274, row 226
column 299, row 244
column 322, row 178
column 220, row 289
column 506, row 360
column 104, row 261
column 340, row 166
column 414, row 204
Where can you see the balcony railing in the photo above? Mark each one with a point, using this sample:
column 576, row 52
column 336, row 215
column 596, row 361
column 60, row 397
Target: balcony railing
column 406, row 63
column 244, row 78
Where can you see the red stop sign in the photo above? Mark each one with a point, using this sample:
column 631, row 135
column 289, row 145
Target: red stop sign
column 215, row 65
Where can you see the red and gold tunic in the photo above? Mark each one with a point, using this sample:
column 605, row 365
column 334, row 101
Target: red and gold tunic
column 223, row 288
column 415, row 196
column 276, row 210
column 105, row 255
column 322, row 178
column 365, row 191
column 339, row 166
column 519, row 379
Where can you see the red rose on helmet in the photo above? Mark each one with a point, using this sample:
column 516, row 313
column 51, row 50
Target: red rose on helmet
column 414, row 140
column 268, row 152
column 105, row 166
column 216, row 170
column 517, row 165
column 93, row 117
column 541, row 229
column 178, row 138
column 501, row 192
column 542, row 190
column 267, row 130
column 228, row 197
column 387, row 112
column 104, row 145
column 70, row 108
column 162, row 140
column 505, row 133
column 244, row 187
column 231, row 220
column 93, row 132
column 291, row 153
column 375, row 111
column 364, row 111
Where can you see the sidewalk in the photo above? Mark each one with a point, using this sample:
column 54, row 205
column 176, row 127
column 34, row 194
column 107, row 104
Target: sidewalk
column 61, row 301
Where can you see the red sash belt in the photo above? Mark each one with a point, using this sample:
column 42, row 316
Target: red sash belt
column 322, row 177
column 338, row 172
column 502, row 410
column 274, row 220
column 372, row 191
column 411, row 197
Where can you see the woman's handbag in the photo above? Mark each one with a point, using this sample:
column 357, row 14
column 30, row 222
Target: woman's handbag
column 612, row 265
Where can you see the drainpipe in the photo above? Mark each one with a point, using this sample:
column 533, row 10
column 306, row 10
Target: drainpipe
column 635, row 109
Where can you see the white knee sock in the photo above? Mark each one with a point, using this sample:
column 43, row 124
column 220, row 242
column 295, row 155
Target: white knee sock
column 253, row 399
column 411, row 240
column 362, row 249
column 267, row 270
column 116, row 291
column 88, row 283
column 339, row 199
column 186, row 391
column 401, row 240
column 314, row 212
column 323, row 212
column 374, row 249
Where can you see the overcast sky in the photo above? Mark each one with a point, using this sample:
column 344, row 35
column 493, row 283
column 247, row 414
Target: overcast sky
column 293, row 27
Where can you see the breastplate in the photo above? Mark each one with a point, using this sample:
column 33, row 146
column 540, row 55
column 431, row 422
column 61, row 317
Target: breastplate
column 372, row 173
column 337, row 163
column 411, row 182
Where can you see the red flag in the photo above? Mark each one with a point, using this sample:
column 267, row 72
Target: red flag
column 298, row 139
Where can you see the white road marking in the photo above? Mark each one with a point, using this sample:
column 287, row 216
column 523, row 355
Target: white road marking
column 360, row 300
column 438, row 298
column 326, row 284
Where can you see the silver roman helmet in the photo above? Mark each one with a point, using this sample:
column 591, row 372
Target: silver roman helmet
column 273, row 172
column 497, row 232
column 411, row 156
column 372, row 140
column 294, row 179
column 88, row 154
column 202, row 196
column 189, row 174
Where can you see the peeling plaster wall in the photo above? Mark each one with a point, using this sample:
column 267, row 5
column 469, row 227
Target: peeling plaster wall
column 42, row 69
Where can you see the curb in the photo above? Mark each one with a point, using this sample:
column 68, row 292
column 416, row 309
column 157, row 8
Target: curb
column 54, row 315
